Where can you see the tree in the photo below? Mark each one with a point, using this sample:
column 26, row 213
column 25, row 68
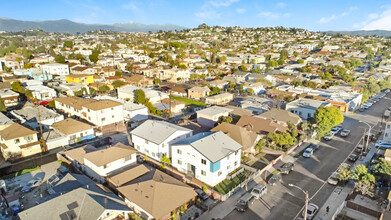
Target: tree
column 283, row 54
column 103, row 89
column 68, row 44
column 139, row 96
column 17, row 87
column 272, row 63
column 383, row 167
column 215, row 90
column 52, row 104
column 326, row 118
column 293, row 129
column 156, row 81
column 344, row 173
column 2, row 106
column 364, row 179
column 60, row 59
column 300, row 61
column 27, row 66
column 118, row 73
column 118, row 83
column 281, row 62
column 250, row 91
column 261, row 143
column 165, row 161
column 227, row 119
column 94, row 57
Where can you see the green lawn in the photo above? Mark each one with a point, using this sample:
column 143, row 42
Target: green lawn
column 227, row 185
column 188, row 101
column 21, row 172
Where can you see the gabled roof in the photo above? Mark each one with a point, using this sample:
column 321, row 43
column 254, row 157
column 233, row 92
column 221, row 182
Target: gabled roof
column 157, row 193
column 281, row 115
column 88, row 202
column 241, row 135
column 110, row 154
column 71, row 126
column 128, row 175
column 212, row 145
column 79, row 153
column 260, row 125
column 15, row 130
column 156, row 131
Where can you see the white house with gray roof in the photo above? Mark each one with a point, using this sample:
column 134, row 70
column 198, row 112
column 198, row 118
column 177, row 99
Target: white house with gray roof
column 207, row 156
column 305, row 108
column 154, row 138
column 209, row 116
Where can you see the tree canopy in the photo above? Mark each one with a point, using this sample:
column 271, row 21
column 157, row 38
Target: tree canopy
column 326, row 118
column 2, row 106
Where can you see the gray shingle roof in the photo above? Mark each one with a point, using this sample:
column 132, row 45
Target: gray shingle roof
column 156, row 131
column 213, row 145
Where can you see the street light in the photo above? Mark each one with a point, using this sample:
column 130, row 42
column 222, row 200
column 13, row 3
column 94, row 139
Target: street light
column 369, row 133
column 306, row 199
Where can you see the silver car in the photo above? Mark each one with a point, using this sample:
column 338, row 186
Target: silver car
column 345, row 132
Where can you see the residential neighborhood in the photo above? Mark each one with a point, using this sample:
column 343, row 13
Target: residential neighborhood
column 210, row 122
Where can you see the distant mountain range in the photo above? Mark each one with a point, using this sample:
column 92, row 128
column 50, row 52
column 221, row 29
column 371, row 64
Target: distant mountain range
column 67, row 26
column 363, row 33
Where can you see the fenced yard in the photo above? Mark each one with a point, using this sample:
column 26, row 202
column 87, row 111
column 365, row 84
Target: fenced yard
column 228, row 184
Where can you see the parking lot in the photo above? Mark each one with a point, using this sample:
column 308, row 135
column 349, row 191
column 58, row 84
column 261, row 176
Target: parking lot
column 27, row 200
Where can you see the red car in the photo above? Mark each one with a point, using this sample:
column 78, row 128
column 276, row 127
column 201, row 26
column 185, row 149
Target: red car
column 44, row 103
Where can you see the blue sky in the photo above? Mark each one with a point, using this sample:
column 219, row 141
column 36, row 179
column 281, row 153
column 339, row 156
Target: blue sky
column 311, row 15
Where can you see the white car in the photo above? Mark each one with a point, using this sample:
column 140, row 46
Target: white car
column 336, row 130
column 345, row 133
column 329, row 136
column 259, row 190
column 308, row 152
column 312, row 209
column 333, row 179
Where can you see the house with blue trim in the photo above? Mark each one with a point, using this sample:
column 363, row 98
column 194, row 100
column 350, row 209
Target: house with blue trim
column 207, row 156
column 74, row 130
column 34, row 73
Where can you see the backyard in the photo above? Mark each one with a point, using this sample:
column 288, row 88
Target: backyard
column 227, row 185
column 189, row 101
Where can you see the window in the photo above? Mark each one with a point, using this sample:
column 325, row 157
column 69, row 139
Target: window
column 203, row 172
column 163, row 145
column 236, row 163
column 153, row 154
column 146, row 151
column 179, row 162
column 228, row 167
column 146, row 141
column 138, row 147
column 17, row 141
column 309, row 115
column 103, row 119
column 386, row 134
column 388, row 126
column 203, row 161
column 236, row 152
column 219, row 173
column 179, row 151
column 228, row 157
column 112, row 116
column 112, row 108
column 187, row 135
column 127, row 158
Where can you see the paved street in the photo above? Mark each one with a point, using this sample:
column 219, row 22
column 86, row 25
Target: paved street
column 284, row 202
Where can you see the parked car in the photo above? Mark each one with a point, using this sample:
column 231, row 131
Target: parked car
column 259, row 190
column 382, row 144
column 329, row 136
column 31, row 184
column 312, row 209
column 202, row 194
column 333, row 179
column 359, row 148
column 336, row 130
column 308, row 152
column 274, row 179
column 286, row 168
column 314, row 147
column 345, row 132
column 244, row 202
column 353, row 157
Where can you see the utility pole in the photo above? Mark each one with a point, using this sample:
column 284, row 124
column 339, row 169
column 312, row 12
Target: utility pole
column 306, row 199
column 43, row 147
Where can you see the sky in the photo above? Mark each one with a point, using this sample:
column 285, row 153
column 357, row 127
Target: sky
column 313, row 15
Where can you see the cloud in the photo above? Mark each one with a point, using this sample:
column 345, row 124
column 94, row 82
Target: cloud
column 222, row 3
column 325, row 20
column 241, row 10
column 208, row 14
column 132, row 6
column 281, row 5
column 378, row 22
column 272, row 15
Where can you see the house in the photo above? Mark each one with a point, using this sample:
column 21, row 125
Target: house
column 219, row 99
column 209, row 116
column 198, row 92
column 34, row 73
column 257, row 87
column 256, row 105
column 107, row 115
column 207, row 156
column 9, row 97
column 70, row 88
column 32, row 116
column 54, row 139
column 305, row 108
column 41, row 92
column 154, row 138
column 247, row 138
column 127, row 93
column 260, row 126
column 108, row 71
column 387, row 132
column 85, row 79
column 153, row 194
column 74, row 130
column 135, row 112
column 221, row 84
column 178, row 91
column 18, row 141
column 241, row 76
column 170, row 105
column 140, row 81
column 89, row 202
column 281, row 116
column 108, row 161
column 84, row 70
column 56, row 69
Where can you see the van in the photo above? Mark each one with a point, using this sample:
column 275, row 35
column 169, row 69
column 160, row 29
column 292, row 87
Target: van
column 259, row 190
column 244, row 202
